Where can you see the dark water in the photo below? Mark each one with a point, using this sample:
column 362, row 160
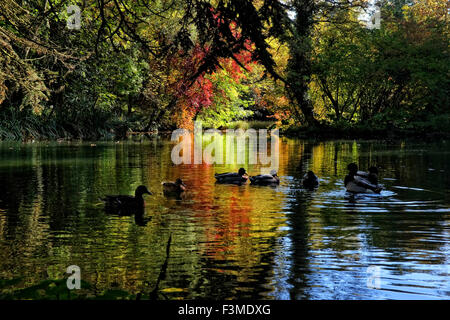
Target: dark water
column 230, row 241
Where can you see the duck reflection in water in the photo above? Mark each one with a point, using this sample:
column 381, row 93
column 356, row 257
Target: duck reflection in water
column 137, row 212
column 140, row 219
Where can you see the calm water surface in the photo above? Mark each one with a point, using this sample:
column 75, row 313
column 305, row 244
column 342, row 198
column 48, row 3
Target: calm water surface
column 231, row 241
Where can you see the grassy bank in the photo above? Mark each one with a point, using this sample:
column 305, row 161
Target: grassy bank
column 50, row 129
column 95, row 126
column 38, row 128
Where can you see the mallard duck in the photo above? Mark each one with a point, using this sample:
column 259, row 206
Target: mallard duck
column 239, row 177
column 127, row 202
column 310, row 180
column 174, row 187
column 356, row 184
column 265, row 179
column 371, row 176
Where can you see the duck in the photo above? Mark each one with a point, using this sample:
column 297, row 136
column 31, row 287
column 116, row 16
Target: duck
column 357, row 183
column 310, row 180
column 371, row 175
column 125, row 202
column 361, row 185
column 174, row 187
column 265, row 179
column 240, row 177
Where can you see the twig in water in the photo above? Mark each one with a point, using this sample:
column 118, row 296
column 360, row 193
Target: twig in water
column 162, row 273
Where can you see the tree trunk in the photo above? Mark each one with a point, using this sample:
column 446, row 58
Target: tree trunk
column 299, row 65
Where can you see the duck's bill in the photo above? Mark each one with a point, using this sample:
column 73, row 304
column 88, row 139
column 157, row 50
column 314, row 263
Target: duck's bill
column 148, row 192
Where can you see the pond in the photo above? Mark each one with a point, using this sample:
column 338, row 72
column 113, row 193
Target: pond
column 230, row 242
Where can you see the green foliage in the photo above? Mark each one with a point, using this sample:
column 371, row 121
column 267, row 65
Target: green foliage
column 128, row 66
column 244, row 125
column 229, row 105
column 395, row 77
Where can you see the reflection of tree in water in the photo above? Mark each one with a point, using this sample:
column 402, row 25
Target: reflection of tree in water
column 408, row 233
column 298, row 221
column 235, row 262
column 226, row 241
column 224, row 279
column 234, row 234
column 299, row 227
column 16, row 190
column 369, row 225
column 404, row 235
column 51, row 193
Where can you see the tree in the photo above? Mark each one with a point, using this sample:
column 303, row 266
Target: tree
column 395, row 76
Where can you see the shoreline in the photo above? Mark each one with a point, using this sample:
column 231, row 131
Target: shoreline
column 306, row 133
column 329, row 133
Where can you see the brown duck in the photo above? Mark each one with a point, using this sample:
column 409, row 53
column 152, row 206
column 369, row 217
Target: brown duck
column 174, row 187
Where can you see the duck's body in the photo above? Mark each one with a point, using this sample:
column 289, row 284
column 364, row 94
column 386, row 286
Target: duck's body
column 127, row 203
column 265, row 179
column 360, row 185
column 310, row 181
column 174, row 187
column 356, row 181
column 239, row 177
column 371, row 176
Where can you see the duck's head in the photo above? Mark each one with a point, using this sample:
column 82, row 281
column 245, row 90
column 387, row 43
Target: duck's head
column 311, row 175
column 352, row 167
column 373, row 170
column 141, row 190
column 273, row 173
column 242, row 171
column 180, row 182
